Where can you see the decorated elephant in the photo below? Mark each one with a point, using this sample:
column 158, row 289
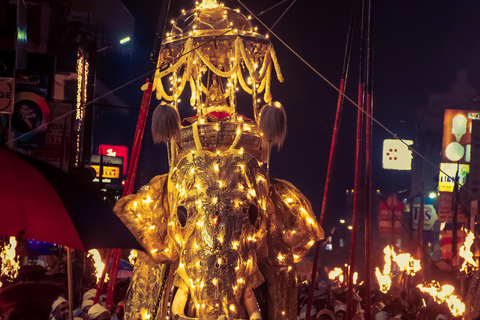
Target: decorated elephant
column 217, row 226
column 224, row 226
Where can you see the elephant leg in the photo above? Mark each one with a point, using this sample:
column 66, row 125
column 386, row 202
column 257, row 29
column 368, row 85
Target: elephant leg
column 179, row 302
column 282, row 291
column 251, row 304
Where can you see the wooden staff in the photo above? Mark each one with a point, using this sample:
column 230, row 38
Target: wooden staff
column 358, row 161
column 336, row 128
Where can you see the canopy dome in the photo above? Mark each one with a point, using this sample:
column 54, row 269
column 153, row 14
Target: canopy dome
column 210, row 19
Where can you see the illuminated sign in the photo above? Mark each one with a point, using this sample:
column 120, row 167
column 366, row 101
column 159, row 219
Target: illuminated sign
column 396, row 155
column 457, row 135
column 446, row 182
column 429, row 213
column 115, row 151
column 108, row 172
column 7, row 94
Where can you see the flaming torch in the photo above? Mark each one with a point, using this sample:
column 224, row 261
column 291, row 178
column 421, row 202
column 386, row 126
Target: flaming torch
column 132, row 258
column 466, row 253
column 444, row 294
column 404, row 261
column 10, row 264
column 384, row 278
column 98, row 264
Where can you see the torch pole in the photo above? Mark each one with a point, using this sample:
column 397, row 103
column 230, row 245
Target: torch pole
column 70, row 282
column 142, row 118
column 101, row 282
column 368, row 156
column 336, row 128
column 117, row 254
column 358, row 173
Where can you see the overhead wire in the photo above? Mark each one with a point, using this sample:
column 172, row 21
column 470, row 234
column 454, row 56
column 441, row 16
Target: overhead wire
column 278, row 20
column 373, row 119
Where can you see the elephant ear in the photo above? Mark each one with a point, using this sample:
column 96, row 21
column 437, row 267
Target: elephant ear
column 295, row 227
column 146, row 216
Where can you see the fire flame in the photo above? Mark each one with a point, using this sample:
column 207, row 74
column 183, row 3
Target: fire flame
column 443, row 294
column 336, row 275
column 384, row 280
column 404, row 261
column 466, row 253
column 132, row 257
column 98, row 264
column 10, row 264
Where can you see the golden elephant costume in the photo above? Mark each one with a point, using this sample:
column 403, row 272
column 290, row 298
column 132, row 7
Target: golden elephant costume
column 216, row 226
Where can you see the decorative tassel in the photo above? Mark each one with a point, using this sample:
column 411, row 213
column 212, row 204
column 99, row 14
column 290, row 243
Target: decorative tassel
column 165, row 123
column 273, row 123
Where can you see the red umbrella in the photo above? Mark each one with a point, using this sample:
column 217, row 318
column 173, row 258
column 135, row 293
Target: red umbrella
column 53, row 206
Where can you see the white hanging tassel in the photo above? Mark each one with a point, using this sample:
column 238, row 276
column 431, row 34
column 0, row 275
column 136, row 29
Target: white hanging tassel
column 165, row 123
column 273, row 123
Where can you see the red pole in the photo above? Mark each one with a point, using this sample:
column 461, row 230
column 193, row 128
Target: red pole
column 113, row 278
column 358, row 170
column 356, row 205
column 368, row 186
column 368, row 156
column 318, row 245
column 137, row 141
column 102, row 278
column 333, row 145
column 142, row 117
column 132, row 169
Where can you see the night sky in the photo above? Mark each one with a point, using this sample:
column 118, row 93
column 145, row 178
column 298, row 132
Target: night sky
column 418, row 48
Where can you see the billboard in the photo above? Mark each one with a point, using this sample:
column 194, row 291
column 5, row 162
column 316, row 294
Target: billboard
column 457, row 134
column 429, row 213
column 391, row 212
column 446, row 178
column 115, row 151
column 396, row 154
column 7, row 95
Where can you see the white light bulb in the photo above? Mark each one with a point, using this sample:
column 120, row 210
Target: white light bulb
column 459, row 126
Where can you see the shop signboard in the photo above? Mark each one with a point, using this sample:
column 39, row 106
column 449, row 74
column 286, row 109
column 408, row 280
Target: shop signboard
column 457, row 134
column 112, row 169
column 429, row 213
column 396, row 154
column 391, row 212
column 7, row 95
column 448, row 171
column 445, row 205
column 115, row 151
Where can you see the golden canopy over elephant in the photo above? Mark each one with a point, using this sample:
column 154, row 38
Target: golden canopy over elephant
column 217, row 226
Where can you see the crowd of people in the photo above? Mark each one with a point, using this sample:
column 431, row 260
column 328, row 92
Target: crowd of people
column 87, row 311
column 33, row 300
column 329, row 303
